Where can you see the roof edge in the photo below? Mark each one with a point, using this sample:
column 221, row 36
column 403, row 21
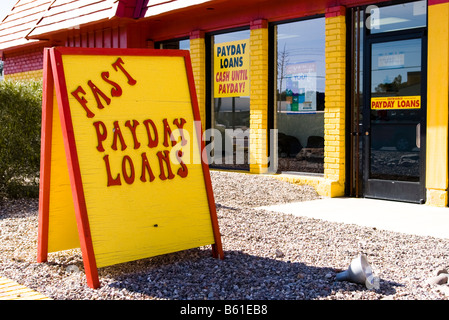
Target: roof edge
column 129, row 8
column 120, row 10
column 25, row 46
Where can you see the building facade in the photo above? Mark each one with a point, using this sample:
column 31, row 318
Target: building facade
column 350, row 96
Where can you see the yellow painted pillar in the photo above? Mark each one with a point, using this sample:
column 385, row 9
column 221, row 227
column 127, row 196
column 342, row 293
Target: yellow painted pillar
column 198, row 57
column 437, row 104
column 335, row 103
column 258, row 143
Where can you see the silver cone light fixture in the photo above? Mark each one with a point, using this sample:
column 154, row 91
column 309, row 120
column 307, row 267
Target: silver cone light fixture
column 360, row 272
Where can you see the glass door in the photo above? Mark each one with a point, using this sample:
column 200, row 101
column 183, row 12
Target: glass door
column 394, row 119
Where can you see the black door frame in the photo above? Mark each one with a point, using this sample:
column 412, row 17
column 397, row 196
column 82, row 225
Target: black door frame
column 390, row 189
column 358, row 174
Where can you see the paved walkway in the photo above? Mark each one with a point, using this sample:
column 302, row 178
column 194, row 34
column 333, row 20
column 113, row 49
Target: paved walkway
column 10, row 290
column 387, row 215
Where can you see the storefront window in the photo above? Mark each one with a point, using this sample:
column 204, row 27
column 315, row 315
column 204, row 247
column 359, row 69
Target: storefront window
column 299, row 102
column 183, row 44
column 231, row 101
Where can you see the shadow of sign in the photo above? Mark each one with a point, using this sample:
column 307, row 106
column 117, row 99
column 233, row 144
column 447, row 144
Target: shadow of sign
column 193, row 275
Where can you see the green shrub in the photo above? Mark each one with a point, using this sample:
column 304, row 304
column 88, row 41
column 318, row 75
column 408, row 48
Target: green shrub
column 20, row 130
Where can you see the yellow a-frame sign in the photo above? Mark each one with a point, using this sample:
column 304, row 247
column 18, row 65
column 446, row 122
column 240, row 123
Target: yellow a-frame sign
column 122, row 175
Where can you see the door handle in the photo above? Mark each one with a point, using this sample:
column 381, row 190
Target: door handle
column 418, row 135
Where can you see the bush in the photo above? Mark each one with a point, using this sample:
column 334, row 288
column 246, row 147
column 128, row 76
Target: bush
column 20, row 130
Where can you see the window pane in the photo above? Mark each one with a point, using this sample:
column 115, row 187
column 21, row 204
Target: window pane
column 300, row 95
column 184, row 44
column 395, row 110
column 174, row 44
column 397, row 17
column 230, row 116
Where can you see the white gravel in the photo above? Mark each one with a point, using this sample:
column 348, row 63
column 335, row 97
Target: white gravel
column 268, row 256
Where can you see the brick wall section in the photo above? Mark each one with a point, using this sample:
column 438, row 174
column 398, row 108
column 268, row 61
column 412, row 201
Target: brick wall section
column 24, row 62
column 198, row 57
column 259, row 96
column 334, row 116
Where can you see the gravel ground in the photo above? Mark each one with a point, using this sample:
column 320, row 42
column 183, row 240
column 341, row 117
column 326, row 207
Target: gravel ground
column 268, row 256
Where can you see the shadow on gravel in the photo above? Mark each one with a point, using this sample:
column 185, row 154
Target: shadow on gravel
column 195, row 275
